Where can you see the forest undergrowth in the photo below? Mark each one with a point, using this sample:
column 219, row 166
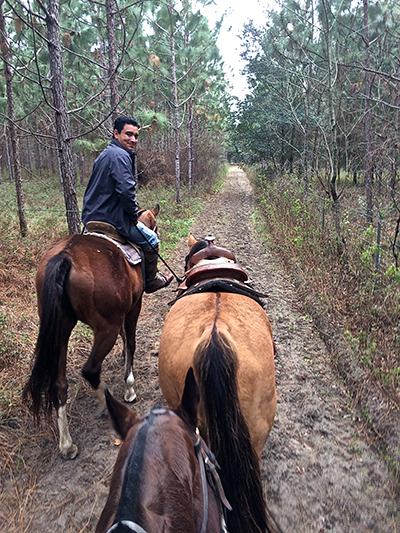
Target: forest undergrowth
column 356, row 310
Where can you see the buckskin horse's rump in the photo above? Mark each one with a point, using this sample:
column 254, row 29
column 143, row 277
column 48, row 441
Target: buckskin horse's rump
column 247, row 326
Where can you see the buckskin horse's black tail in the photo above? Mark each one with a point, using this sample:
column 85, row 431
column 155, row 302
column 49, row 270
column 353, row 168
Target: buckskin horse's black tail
column 216, row 364
column 55, row 307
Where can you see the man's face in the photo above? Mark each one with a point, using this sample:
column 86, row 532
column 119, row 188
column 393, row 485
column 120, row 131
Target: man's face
column 128, row 137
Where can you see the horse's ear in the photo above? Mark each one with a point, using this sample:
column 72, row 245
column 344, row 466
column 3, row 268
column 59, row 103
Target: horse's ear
column 190, row 399
column 191, row 240
column 122, row 417
column 156, row 210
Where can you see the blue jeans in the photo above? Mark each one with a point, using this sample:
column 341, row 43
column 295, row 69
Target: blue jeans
column 139, row 237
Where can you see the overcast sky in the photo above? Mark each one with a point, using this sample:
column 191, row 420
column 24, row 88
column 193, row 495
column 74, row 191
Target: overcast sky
column 237, row 14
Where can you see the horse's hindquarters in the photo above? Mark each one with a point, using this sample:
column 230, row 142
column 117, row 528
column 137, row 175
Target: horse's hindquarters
column 86, row 278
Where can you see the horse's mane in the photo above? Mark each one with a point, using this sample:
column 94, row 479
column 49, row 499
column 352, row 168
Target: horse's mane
column 130, row 491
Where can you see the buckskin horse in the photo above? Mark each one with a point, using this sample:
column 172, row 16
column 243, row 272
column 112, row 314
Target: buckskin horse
column 217, row 326
column 86, row 278
column 164, row 478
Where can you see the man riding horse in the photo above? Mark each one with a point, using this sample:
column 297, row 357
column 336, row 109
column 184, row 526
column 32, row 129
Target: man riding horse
column 110, row 197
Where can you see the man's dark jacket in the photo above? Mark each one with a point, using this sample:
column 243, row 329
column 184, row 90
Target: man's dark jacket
column 111, row 192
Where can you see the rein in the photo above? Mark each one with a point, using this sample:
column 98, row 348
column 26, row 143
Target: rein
column 179, row 280
column 205, row 459
column 198, row 450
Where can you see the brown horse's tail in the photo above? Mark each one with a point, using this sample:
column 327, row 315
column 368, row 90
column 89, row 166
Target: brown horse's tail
column 216, row 363
column 56, row 318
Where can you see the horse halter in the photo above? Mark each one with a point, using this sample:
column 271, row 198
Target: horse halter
column 206, row 459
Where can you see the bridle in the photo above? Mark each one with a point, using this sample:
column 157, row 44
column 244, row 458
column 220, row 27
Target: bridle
column 208, row 465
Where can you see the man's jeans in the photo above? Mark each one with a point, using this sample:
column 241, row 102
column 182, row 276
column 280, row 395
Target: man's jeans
column 143, row 236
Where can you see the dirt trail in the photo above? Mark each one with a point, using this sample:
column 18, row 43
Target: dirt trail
column 321, row 473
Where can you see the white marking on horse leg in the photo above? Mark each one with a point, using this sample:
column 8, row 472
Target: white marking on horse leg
column 68, row 449
column 99, row 393
column 130, row 393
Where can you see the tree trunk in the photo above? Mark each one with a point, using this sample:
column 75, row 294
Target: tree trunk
column 175, row 112
column 316, row 142
column 333, row 148
column 61, row 117
column 190, row 135
column 395, row 154
column 6, row 53
column 9, row 156
column 305, row 142
column 368, row 147
column 29, row 155
column 112, row 58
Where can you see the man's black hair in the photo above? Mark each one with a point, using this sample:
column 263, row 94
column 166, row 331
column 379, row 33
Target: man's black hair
column 121, row 121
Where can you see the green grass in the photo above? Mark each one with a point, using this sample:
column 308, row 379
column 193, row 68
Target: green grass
column 346, row 285
column 45, row 211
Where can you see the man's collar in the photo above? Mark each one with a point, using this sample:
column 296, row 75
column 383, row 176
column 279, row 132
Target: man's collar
column 115, row 142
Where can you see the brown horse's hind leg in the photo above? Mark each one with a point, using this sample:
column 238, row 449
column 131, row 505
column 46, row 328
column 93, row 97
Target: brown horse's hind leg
column 104, row 340
column 68, row 449
column 130, row 394
column 128, row 333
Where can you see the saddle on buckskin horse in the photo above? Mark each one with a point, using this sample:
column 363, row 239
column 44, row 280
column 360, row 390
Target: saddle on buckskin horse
column 214, row 269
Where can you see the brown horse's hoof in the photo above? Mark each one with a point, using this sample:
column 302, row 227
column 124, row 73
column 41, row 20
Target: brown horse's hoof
column 71, row 453
column 131, row 397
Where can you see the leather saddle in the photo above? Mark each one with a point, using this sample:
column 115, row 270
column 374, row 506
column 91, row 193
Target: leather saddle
column 105, row 229
column 210, row 263
column 214, row 269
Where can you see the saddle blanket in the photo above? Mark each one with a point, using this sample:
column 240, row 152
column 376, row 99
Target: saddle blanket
column 131, row 253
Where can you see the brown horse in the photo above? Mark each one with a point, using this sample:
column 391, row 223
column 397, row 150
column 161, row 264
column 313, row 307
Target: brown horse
column 226, row 337
column 164, row 478
column 86, row 278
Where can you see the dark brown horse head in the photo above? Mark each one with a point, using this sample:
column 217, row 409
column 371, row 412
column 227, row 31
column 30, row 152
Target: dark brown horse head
column 157, row 483
column 123, row 418
column 148, row 217
column 195, row 245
